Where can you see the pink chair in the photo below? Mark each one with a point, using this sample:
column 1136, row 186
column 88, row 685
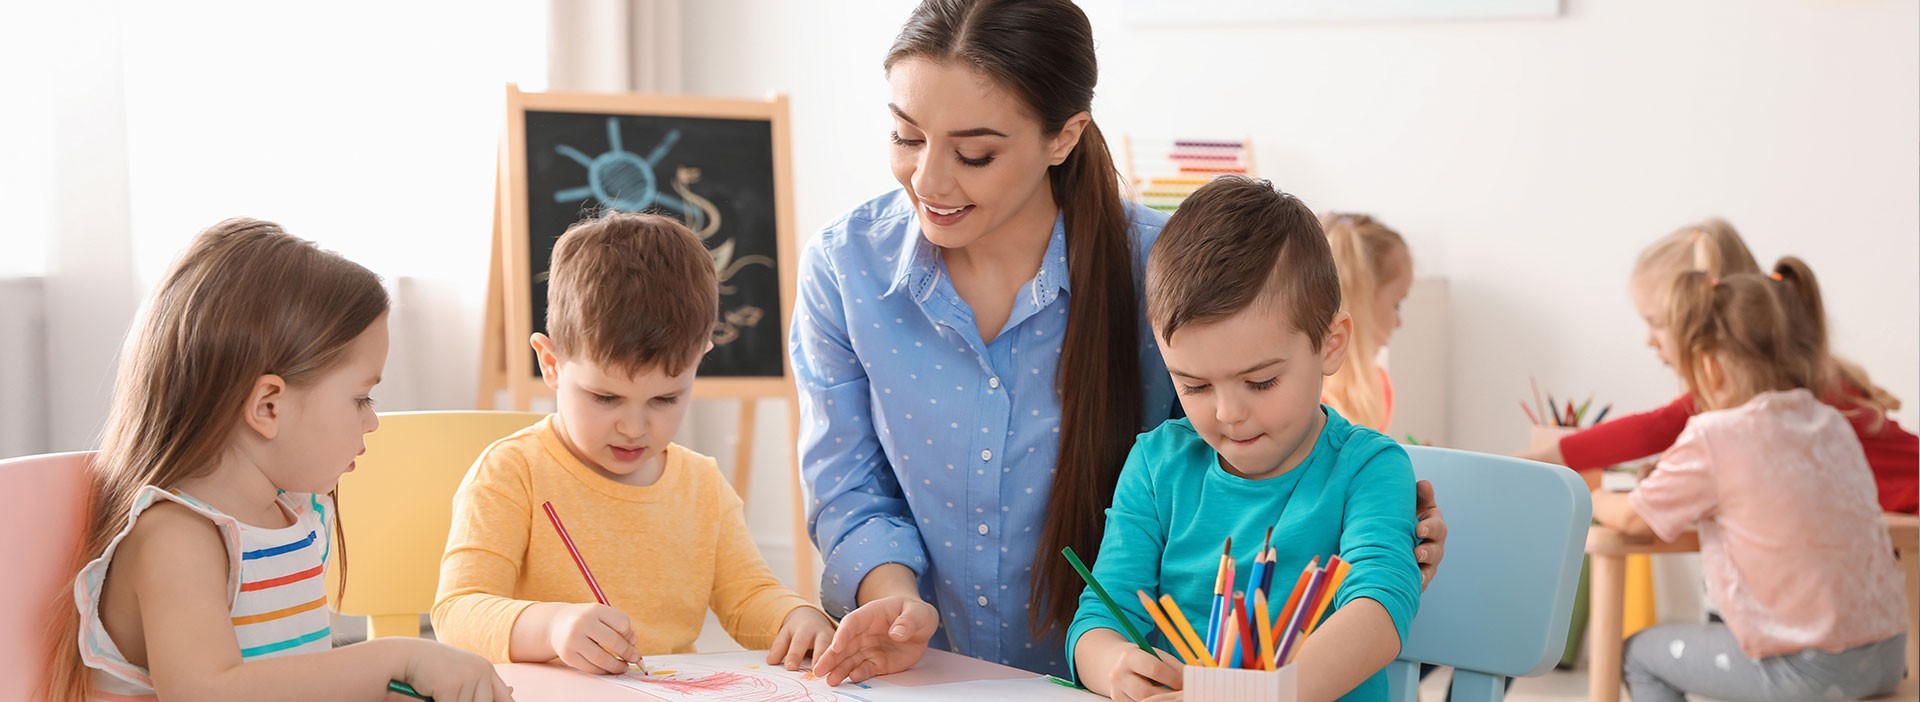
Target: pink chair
column 43, row 506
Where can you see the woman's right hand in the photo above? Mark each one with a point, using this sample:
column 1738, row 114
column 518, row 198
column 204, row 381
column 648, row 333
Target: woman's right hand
column 448, row 674
column 887, row 635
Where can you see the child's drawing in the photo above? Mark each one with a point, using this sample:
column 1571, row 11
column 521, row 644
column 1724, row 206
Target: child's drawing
column 698, row 682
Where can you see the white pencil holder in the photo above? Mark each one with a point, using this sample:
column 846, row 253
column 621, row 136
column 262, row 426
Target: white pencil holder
column 1203, row 684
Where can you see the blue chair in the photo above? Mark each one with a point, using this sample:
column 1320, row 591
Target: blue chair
column 1500, row 603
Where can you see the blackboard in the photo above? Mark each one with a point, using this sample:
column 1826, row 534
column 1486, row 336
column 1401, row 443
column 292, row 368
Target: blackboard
column 718, row 166
column 715, row 175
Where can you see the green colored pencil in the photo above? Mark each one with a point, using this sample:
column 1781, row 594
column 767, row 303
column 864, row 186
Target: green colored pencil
column 1112, row 607
column 405, row 689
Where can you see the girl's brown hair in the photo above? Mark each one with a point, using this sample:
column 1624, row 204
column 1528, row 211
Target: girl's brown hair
column 1711, row 246
column 1760, row 328
column 1714, row 248
column 1369, row 255
column 245, row 300
column 1042, row 52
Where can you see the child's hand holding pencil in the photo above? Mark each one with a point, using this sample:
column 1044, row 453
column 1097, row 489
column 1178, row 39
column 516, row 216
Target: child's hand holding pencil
column 1143, row 676
column 593, row 638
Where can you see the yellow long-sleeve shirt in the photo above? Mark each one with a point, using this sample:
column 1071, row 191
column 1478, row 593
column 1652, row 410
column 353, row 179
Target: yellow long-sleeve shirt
column 663, row 553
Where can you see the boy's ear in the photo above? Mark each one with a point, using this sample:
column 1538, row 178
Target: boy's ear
column 1067, row 138
column 265, row 405
column 1333, row 348
column 549, row 360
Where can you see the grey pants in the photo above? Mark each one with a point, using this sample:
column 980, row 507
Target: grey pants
column 1665, row 663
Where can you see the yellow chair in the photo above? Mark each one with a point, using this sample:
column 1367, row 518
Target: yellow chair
column 396, row 507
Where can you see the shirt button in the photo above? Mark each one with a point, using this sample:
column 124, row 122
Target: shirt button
column 986, row 455
column 982, row 600
column 983, row 530
column 993, row 382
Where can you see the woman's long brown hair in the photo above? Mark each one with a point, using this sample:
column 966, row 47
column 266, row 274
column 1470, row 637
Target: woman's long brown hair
column 1042, row 52
column 246, row 299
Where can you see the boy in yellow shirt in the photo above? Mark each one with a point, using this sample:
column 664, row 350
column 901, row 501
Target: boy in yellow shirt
column 631, row 303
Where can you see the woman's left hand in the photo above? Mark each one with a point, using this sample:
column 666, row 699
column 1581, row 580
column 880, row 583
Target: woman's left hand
column 884, row 636
column 1432, row 530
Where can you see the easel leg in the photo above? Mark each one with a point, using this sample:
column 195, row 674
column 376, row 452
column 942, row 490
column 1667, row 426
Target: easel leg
column 493, row 322
column 803, row 576
column 743, row 447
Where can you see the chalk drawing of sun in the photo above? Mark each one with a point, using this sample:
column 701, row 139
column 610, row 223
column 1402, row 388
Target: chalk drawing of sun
column 621, row 179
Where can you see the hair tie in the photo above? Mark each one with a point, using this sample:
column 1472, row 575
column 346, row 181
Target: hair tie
column 1776, row 276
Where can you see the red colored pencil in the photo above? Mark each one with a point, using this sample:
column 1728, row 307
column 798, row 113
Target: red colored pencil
column 575, row 552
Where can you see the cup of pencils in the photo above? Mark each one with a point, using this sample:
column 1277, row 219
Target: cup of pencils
column 1549, row 421
column 1250, row 646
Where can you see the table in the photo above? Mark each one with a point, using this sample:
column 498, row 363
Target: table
column 552, row 682
column 1609, row 549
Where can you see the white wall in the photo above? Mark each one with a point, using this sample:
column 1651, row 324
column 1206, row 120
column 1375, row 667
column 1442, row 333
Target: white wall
column 365, row 126
column 1527, row 161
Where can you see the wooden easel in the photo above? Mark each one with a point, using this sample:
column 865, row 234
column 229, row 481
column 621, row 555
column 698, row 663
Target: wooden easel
column 506, row 366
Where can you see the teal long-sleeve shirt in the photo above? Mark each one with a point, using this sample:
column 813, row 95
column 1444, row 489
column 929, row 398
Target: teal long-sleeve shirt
column 1175, row 506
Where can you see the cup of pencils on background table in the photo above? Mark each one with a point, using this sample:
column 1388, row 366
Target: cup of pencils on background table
column 1549, row 421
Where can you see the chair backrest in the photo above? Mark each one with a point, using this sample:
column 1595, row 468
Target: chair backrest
column 1501, row 601
column 397, row 504
column 43, row 510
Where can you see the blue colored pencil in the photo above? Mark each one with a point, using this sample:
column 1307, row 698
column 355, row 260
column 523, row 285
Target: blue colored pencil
column 1215, row 620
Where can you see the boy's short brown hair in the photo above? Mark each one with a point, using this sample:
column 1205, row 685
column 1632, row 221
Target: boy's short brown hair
column 632, row 292
column 1236, row 240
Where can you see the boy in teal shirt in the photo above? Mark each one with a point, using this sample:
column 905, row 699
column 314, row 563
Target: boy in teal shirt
column 1245, row 303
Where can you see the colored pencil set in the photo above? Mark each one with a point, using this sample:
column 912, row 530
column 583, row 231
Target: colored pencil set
column 1554, row 415
column 1244, row 629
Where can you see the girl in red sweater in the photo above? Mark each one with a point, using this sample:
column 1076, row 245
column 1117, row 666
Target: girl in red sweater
column 1714, row 247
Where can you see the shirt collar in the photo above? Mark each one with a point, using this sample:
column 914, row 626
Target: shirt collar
column 1052, row 279
column 915, row 265
column 917, row 269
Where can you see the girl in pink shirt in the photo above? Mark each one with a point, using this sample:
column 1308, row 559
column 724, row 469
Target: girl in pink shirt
column 1796, row 556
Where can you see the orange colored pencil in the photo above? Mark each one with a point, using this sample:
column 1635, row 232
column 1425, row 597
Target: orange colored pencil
column 1166, row 628
column 1193, row 638
column 1326, row 596
column 1228, row 639
column 1299, row 588
column 1266, row 628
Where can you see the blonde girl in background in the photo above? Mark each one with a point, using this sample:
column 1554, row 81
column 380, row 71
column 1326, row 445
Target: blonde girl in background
column 242, row 397
column 1376, row 271
column 1712, row 247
